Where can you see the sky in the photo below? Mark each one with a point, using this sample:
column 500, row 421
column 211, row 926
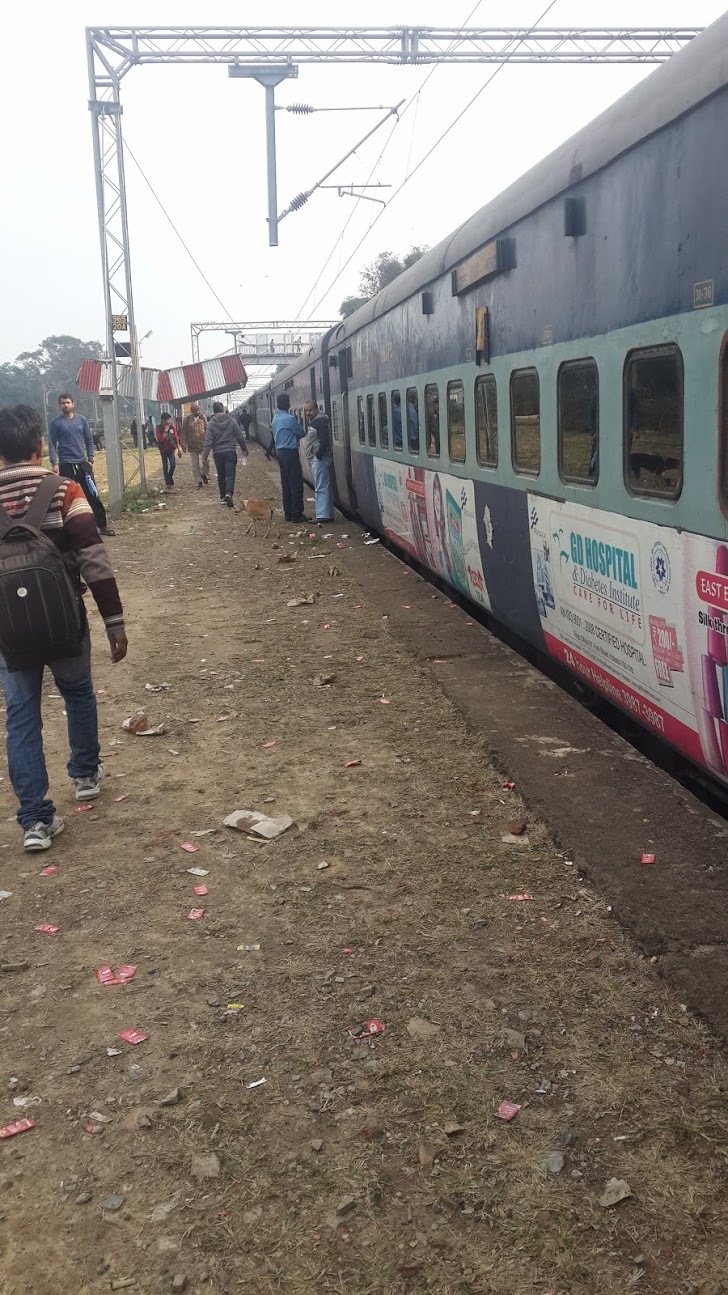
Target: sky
column 200, row 138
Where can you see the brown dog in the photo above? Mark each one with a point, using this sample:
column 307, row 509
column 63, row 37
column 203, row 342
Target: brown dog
column 259, row 510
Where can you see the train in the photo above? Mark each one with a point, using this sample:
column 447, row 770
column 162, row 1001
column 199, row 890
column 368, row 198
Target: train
column 537, row 410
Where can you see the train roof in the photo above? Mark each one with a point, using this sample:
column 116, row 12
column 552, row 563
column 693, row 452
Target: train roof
column 685, row 80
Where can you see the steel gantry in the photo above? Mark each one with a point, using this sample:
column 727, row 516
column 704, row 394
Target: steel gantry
column 270, row 55
column 265, row 341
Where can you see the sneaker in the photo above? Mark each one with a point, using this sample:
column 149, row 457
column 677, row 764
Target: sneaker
column 89, row 787
column 228, row 501
column 41, row 836
column 223, row 503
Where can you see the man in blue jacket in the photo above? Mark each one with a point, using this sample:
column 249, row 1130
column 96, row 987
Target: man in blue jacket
column 287, row 433
column 71, row 452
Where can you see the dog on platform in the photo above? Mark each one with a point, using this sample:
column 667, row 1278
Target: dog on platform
column 259, row 510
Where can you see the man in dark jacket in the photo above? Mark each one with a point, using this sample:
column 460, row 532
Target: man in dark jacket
column 221, row 439
column 318, row 450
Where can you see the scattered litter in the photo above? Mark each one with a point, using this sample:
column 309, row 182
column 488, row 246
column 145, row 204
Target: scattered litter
column 123, row 796
column 258, row 660
column 371, row 541
column 195, row 914
column 419, row 1028
column 113, row 1052
column 508, row 785
column 189, row 848
column 221, row 718
column 384, row 701
column 139, row 725
column 359, row 658
column 46, row 929
column 20, row 1126
column 49, row 871
column 648, row 858
column 235, row 1007
column 156, row 687
column 249, row 820
column 6, row 894
column 198, row 872
column 205, row 831
column 248, row 948
column 323, row 680
column 193, row 721
column 256, row 1083
column 511, row 838
column 201, row 889
column 352, row 764
column 23, row 1102
column 366, row 1030
column 323, row 865
column 615, row 1190
column 266, row 745
column 507, row 1110
column 205, row 1166
column 83, row 809
column 305, row 601
column 8, row 967
column 520, row 897
column 131, row 1036
column 106, row 976
column 347, row 950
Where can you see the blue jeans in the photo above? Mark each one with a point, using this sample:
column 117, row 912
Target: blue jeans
column 322, row 488
column 26, row 761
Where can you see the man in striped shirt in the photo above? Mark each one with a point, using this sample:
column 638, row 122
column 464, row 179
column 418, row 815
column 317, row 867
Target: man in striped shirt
column 70, row 523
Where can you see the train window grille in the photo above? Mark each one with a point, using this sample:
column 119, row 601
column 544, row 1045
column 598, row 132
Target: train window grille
column 360, row 419
column 456, row 421
column 413, row 420
column 397, row 420
column 383, row 421
column 653, row 421
column 526, row 421
column 335, row 420
column 486, row 421
column 371, row 422
column 578, row 421
column 432, row 420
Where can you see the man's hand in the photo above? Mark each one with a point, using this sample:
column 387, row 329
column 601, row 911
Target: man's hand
column 54, row 469
column 119, row 645
column 179, row 454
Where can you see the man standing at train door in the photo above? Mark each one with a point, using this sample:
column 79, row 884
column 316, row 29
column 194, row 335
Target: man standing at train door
column 71, row 452
column 317, row 446
column 287, row 433
column 192, row 439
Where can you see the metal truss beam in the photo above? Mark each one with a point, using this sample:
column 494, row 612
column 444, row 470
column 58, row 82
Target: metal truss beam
column 125, row 47
column 265, row 341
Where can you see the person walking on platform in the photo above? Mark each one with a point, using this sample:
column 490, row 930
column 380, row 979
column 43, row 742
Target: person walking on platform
column 318, row 451
column 287, row 434
column 150, row 432
column 168, row 446
column 71, row 452
column 221, row 439
column 192, row 439
column 46, row 563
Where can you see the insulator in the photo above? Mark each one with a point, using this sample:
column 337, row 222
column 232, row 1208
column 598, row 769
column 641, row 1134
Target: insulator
column 301, row 108
column 299, row 201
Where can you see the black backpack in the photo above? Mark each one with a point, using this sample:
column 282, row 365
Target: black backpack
column 41, row 619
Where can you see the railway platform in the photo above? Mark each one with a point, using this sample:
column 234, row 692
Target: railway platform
column 540, row 1104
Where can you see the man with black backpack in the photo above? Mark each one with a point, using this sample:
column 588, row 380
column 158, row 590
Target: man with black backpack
column 49, row 543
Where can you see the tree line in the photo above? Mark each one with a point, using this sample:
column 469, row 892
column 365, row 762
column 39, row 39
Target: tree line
column 39, row 377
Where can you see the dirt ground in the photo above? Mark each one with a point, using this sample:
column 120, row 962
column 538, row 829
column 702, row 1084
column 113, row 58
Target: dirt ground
column 357, row 1167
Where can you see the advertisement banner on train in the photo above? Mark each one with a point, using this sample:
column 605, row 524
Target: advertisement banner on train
column 432, row 515
column 618, row 604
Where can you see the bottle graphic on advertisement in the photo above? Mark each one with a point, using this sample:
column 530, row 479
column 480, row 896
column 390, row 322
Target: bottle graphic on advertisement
column 455, row 536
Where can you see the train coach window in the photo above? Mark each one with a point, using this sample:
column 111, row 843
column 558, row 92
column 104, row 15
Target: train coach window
column 371, row 424
column 456, row 421
column 432, row 420
column 383, row 421
column 486, row 421
column 526, row 421
column 413, row 421
column 578, row 421
column 360, row 416
column 397, row 420
column 653, row 421
column 335, row 420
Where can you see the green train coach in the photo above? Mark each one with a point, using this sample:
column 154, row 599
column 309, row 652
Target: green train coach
column 537, row 411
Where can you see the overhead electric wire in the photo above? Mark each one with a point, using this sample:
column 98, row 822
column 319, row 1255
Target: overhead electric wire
column 431, row 150
column 414, row 100
column 159, row 202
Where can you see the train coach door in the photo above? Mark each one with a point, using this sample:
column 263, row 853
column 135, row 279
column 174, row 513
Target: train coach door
column 343, row 367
